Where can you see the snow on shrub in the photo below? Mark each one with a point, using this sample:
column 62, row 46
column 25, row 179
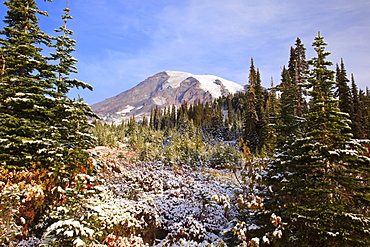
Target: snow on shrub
column 21, row 199
column 155, row 204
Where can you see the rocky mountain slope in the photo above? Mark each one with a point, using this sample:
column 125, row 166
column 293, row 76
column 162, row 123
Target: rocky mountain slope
column 164, row 89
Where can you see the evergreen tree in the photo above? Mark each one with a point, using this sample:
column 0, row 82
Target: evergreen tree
column 322, row 190
column 356, row 116
column 334, row 170
column 272, row 112
column 183, row 116
column 261, row 113
column 230, row 112
column 66, row 63
column 173, row 115
column 198, row 113
column 72, row 117
column 157, row 118
column 104, row 134
column 39, row 124
column 165, row 120
column 282, row 167
column 260, row 99
column 297, row 68
column 216, row 127
column 151, row 119
column 343, row 91
column 289, row 125
column 365, row 113
column 132, row 127
column 41, row 129
column 27, row 98
column 251, row 117
column 207, row 114
column 324, row 118
column 239, row 103
column 145, row 121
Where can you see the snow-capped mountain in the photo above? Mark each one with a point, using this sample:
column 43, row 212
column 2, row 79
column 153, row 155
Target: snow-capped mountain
column 162, row 90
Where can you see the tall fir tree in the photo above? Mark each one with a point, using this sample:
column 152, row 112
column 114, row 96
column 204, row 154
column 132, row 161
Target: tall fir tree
column 182, row 115
column 73, row 114
column 251, row 117
column 357, row 116
column 272, row 112
column 173, row 115
column 216, row 127
column 261, row 96
column 297, row 68
column 364, row 98
column 157, row 118
column 343, row 91
column 230, row 112
column 66, row 62
column 322, row 192
column 335, row 170
column 290, row 123
column 281, row 195
column 145, row 121
column 27, row 98
column 40, row 125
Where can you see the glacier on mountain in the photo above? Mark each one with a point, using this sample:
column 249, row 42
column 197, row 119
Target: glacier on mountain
column 207, row 82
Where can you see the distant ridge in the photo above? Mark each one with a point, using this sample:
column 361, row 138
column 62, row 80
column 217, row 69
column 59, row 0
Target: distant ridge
column 164, row 89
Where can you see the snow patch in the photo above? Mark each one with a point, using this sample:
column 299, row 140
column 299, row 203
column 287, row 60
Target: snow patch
column 210, row 83
column 127, row 109
column 175, row 78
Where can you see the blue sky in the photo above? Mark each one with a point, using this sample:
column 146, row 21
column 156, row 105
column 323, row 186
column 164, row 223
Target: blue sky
column 122, row 42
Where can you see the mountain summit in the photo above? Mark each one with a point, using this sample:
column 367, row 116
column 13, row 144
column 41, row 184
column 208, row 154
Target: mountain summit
column 162, row 90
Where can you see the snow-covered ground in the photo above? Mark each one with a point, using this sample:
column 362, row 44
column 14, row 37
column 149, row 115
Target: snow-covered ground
column 174, row 205
column 178, row 203
column 155, row 204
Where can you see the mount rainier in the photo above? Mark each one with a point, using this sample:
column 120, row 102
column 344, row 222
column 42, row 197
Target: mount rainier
column 162, row 90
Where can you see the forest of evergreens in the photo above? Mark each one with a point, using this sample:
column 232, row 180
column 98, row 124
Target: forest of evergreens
column 281, row 166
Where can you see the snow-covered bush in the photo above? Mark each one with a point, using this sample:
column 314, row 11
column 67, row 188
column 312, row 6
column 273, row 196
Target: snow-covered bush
column 9, row 211
column 95, row 212
column 21, row 199
column 69, row 222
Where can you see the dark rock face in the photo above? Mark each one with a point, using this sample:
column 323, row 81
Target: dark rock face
column 191, row 92
column 163, row 89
